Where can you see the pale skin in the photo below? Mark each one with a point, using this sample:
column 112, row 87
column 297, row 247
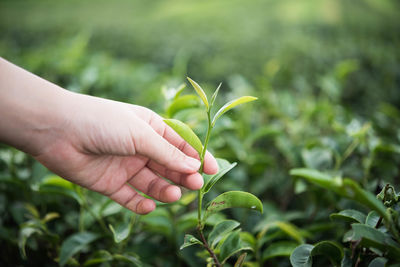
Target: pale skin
column 113, row 148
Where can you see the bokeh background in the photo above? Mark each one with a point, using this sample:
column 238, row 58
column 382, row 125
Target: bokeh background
column 327, row 74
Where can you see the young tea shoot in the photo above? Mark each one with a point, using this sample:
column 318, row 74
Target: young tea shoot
column 225, row 234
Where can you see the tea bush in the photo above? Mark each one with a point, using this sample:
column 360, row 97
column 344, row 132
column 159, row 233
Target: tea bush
column 320, row 147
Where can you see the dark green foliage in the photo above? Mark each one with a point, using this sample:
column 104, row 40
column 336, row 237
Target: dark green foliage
column 326, row 74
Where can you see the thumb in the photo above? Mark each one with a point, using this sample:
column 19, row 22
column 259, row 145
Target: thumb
column 152, row 145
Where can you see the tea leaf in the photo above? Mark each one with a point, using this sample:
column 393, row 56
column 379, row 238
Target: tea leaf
column 214, row 96
column 290, row 230
column 378, row 262
column 24, row 234
column 349, row 216
column 233, row 199
column 186, row 133
column 232, row 104
column 74, row 244
column 231, row 245
column 371, row 237
column 220, row 230
column 329, row 249
column 353, row 190
column 50, row 216
column 318, row 178
column 344, row 187
column 240, row 260
column 57, row 185
column 302, row 255
column 190, row 240
column 121, row 231
column 179, row 90
column 129, row 257
column 200, row 92
column 279, row 249
column 181, row 103
column 210, row 180
column 372, row 219
column 99, row 257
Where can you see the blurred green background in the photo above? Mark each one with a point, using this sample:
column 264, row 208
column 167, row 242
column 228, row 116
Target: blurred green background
column 327, row 74
column 141, row 45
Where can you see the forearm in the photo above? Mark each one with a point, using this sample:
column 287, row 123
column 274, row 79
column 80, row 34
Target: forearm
column 31, row 109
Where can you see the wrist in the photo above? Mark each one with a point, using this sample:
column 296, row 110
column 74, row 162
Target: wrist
column 33, row 110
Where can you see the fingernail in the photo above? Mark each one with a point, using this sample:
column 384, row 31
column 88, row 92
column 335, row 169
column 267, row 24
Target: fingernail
column 192, row 164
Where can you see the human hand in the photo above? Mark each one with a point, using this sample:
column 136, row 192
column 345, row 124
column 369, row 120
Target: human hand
column 114, row 148
column 109, row 147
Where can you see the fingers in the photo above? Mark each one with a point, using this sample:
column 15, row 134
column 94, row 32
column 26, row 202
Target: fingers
column 157, row 124
column 151, row 184
column 210, row 164
column 127, row 197
column 151, row 144
column 192, row 181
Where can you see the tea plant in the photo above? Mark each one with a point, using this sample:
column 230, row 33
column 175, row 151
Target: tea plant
column 373, row 237
column 224, row 239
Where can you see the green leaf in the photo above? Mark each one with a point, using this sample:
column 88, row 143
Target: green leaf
column 158, row 221
column 349, row 216
column 240, row 260
column 186, row 133
column 220, row 230
column 372, row 236
column 378, row 262
column 57, row 185
column 24, row 234
column 129, row 257
column 344, row 187
column 200, row 92
column 279, row 249
column 346, row 261
column 248, row 239
column 232, row 104
column 187, row 221
column 372, row 219
column 99, row 257
column 231, row 246
column 214, row 96
column 301, row 256
column 181, row 103
column 318, row 178
column 354, row 191
column 210, row 180
column 179, row 90
column 50, row 216
column 34, row 213
column 74, row 244
column 329, row 249
column 121, row 231
column 290, row 230
column 187, row 198
column 190, row 240
column 233, row 199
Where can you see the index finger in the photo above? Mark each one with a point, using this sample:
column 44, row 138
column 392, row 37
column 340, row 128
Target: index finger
column 157, row 123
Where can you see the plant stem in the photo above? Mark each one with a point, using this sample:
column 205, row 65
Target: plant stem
column 199, row 204
column 202, row 156
column 200, row 225
column 207, row 247
column 203, row 152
